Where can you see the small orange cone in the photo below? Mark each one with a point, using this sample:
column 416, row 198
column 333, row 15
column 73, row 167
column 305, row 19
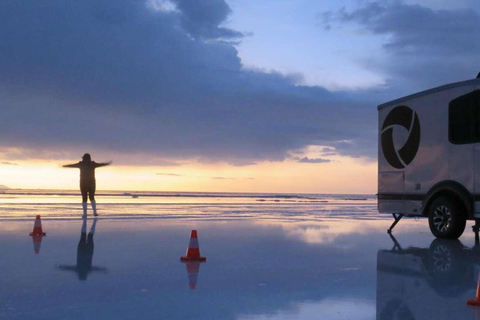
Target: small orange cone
column 37, row 242
column 37, row 228
column 476, row 301
column 193, row 251
column 193, row 267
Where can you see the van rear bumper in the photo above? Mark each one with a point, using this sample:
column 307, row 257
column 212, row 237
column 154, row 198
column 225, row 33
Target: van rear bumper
column 401, row 203
column 411, row 204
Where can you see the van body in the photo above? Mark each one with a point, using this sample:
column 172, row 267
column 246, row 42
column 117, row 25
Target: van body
column 429, row 156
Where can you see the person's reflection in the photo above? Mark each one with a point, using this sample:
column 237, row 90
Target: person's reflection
column 426, row 283
column 84, row 253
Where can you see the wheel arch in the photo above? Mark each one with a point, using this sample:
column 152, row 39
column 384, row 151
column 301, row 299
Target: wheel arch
column 452, row 190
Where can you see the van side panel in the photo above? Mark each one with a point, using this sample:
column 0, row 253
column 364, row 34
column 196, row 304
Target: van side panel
column 430, row 164
column 391, row 182
column 402, row 189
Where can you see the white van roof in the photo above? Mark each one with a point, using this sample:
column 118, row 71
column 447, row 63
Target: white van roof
column 430, row 91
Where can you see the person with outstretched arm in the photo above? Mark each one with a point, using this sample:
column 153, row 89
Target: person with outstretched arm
column 87, row 180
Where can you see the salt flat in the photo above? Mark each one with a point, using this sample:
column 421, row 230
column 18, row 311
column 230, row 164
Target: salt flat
column 264, row 261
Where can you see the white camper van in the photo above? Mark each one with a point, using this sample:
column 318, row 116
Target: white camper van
column 429, row 157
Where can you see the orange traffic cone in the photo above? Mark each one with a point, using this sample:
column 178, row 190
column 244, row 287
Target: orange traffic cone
column 193, row 251
column 193, row 267
column 37, row 242
column 476, row 301
column 37, row 228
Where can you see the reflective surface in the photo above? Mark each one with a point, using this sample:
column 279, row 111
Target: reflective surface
column 432, row 282
column 84, row 253
column 333, row 266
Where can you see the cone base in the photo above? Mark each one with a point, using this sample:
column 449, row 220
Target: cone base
column 37, row 234
column 473, row 302
column 187, row 259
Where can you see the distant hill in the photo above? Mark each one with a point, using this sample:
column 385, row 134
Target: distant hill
column 2, row 187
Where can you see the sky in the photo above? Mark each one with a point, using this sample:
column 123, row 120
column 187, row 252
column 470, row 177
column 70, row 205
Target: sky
column 215, row 95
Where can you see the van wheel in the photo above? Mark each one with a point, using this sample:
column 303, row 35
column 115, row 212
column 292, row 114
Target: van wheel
column 445, row 219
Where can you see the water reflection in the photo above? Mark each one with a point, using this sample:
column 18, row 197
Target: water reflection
column 426, row 283
column 84, row 253
column 193, row 268
column 37, row 234
column 37, row 243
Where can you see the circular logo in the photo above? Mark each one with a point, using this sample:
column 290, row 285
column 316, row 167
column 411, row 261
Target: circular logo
column 400, row 156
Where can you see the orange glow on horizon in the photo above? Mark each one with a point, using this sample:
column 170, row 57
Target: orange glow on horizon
column 343, row 175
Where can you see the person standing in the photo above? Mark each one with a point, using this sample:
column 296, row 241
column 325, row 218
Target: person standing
column 87, row 180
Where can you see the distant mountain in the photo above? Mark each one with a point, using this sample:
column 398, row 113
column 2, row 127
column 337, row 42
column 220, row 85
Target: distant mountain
column 2, row 187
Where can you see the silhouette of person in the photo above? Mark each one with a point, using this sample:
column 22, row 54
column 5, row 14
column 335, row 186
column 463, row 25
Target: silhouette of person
column 84, row 253
column 87, row 180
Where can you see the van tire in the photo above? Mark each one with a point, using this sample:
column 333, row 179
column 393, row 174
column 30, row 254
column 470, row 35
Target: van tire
column 445, row 218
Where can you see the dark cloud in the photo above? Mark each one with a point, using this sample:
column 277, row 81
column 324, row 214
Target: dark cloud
column 327, row 152
column 424, row 47
column 163, row 163
column 313, row 160
column 6, row 163
column 169, row 174
column 325, row 19
column 202, row 19
column 118, row 78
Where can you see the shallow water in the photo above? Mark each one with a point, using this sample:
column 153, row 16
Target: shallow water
column 264, row 261
column 16, row 205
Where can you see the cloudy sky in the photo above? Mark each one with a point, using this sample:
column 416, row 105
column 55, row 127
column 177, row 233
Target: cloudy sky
column 217, row 95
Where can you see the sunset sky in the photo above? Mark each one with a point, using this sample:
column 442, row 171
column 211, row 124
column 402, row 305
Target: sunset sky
column 215, row 95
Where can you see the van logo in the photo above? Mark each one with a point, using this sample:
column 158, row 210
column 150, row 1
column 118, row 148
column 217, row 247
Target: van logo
column 400, row 156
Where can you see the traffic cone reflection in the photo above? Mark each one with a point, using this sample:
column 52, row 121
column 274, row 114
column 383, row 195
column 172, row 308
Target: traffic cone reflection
column 37, row 234
column 193, row 267
column 193, row 251
column 37, row 242
column 37, row 228
column 476, row 301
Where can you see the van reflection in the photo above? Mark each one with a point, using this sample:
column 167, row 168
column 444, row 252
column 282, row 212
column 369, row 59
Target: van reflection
column 427, row 283
column 84, row 253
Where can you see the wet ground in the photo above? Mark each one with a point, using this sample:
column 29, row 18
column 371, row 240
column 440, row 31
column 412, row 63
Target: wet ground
column 268, row 268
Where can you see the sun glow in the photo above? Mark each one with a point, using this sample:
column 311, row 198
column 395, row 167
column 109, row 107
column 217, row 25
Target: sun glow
column 342, row 175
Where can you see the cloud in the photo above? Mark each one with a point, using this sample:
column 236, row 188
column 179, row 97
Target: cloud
column 119, row 78
column 9, row 163
column 327, row 152
column 164, row 163
column 424, row 47
column 202, row 19
column 313, row 160
column 227, row 178
column 169, row 174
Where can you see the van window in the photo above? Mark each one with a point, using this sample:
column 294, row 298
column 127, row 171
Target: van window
column 464, row 118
